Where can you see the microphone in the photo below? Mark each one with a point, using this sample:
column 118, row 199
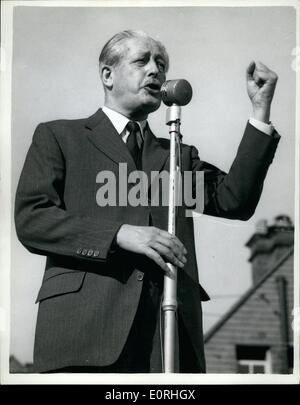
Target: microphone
column 177, row 92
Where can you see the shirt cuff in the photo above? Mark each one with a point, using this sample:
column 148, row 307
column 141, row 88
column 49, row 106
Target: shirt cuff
column 262, row 126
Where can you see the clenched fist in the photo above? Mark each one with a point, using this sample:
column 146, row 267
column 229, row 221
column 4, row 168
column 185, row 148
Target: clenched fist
column 153, row 242
column 261, row 83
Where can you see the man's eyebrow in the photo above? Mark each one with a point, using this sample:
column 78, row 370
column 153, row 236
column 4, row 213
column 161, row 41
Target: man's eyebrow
column 161, row 56
column 141, row 54
column 144, row 54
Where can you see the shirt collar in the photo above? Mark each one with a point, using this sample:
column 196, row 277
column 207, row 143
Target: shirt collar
column 119, row 120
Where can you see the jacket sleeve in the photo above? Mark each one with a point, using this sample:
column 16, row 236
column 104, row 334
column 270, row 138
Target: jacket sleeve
column 235, row 195
column 42, row 223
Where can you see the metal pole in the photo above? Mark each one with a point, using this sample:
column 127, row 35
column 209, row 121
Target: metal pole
column 169, row 304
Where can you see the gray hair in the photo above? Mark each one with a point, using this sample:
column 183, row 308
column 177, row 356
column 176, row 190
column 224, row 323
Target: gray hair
column 112, row 51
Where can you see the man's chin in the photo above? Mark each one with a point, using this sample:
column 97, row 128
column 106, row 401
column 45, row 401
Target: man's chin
column 152, row 106
column 145, row 107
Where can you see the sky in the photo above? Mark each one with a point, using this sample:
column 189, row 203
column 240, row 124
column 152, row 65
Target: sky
column 55, row 75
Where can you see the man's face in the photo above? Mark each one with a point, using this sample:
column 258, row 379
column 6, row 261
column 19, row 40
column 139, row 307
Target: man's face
column 137, row 79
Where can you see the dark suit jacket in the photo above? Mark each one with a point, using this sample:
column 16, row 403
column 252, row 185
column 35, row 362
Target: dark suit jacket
column 89, row 296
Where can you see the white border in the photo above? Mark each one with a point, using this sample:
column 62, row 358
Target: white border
column 5, row 212
column 297, row 213
column 5, row 185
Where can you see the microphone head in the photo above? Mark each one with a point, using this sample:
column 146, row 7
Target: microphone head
column 177, row 92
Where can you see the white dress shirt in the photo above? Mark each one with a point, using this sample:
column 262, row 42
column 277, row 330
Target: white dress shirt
column 262, row 126
column 119, row 121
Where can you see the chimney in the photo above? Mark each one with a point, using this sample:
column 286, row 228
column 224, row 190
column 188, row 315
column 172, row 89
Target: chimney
column 268, row 244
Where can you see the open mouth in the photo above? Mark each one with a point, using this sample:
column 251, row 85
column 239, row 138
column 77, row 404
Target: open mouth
column 153, row 87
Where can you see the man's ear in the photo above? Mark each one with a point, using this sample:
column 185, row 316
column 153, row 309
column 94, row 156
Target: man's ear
column 106, row 75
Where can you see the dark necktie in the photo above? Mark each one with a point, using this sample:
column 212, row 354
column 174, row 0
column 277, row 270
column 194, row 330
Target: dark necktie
column 132, row 142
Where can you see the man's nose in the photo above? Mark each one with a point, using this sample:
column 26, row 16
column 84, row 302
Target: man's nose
column 153, row 68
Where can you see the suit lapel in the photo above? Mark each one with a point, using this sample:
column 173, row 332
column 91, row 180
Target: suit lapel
column 104, row 136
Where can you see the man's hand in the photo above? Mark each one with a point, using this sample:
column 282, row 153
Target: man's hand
column 154, row 243
column 261, row 83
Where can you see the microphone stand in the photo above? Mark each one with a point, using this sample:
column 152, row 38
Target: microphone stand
column 169, row 303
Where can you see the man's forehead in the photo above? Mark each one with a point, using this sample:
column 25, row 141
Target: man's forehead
column 143, row 45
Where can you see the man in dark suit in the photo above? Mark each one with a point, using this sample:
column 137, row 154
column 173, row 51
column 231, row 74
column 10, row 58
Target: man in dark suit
column 99, row 303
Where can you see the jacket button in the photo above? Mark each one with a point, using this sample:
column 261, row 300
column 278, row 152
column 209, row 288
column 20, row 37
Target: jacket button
column 84, row 252
column 140, row 276
column 78, row 251
column 96, row 253
column 90, row 252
